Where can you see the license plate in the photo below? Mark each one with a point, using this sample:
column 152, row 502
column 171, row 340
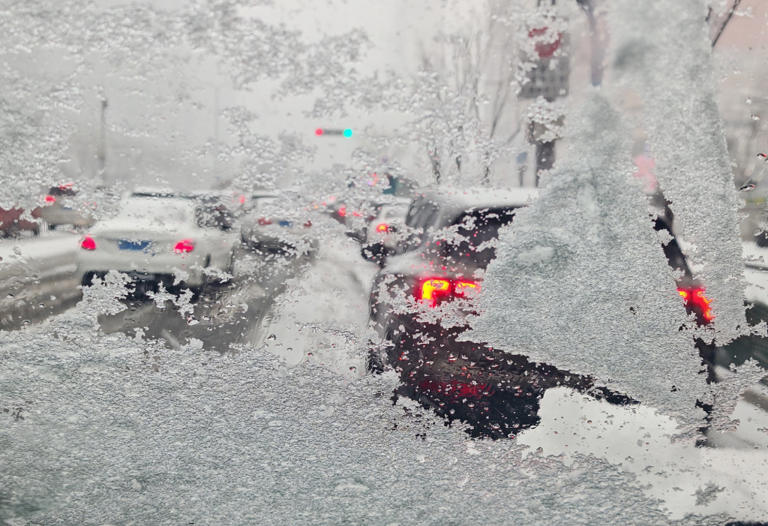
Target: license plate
column 125, row 244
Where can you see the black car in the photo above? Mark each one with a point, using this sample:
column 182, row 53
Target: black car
column 418, row 304
column 422, row 295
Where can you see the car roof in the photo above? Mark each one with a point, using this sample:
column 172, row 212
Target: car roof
column 152, row 202
column 395, row 205
column 460, row 199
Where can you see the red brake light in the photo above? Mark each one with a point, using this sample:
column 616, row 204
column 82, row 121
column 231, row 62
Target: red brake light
column 433, row 289
column 456, row 389
column 342, row 211
column 50, row 199
column 461, row 287
column 382, row 227
column 184, row 246
column 695, row 299
column 88, row 243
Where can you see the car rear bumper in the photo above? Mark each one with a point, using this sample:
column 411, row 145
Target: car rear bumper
column 170, row 268
column 496, row 392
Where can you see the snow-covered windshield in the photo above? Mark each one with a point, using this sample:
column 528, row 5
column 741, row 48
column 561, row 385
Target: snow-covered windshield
column 367, row 262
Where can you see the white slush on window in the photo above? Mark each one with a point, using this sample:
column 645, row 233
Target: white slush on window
column 581, row 282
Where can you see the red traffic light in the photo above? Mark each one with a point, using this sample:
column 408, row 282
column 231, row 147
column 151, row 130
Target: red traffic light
column 319, row 131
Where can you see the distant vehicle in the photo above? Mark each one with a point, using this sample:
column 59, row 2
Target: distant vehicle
column 56, row 214
column 449, row 242
column 170, row 240
column 355, row 213
column 14, row 224
column 386, row 231
column 51, row 215
column 691, row 290
column 750, row 346
column 274, row 225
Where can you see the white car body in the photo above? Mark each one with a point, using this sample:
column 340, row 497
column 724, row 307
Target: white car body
column 143, row 241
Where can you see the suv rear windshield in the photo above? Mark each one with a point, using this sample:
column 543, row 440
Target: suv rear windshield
column 472, row 234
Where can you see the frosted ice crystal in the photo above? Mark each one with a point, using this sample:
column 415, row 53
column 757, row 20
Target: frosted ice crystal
column 603, row 302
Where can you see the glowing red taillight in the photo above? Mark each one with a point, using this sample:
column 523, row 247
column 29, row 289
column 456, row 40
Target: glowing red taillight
column 88, row 243
column 382, row 227
column 342, row 211
column 695, row 299
column 431, row 290
column 50, row 199
column 462, row 287
column 456, row 389
column 434, row 290
column 184, row 246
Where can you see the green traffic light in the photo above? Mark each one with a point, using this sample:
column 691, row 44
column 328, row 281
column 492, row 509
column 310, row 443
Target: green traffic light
column 347, row 132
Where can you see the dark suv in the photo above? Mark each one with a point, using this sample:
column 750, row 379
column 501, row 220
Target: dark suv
column 422, row 295
column 418, row 306
column 449, row 241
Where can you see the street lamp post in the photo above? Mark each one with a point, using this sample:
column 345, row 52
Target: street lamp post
column 101, row 154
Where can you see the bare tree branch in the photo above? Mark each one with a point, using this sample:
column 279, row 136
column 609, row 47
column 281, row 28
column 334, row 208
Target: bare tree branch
column 725, row 23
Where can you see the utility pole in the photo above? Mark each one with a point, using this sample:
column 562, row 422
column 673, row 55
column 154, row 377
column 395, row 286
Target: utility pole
column 216, row 174
column 596, row 44
column 101, row 154
column 725, row 22
column 548, row 80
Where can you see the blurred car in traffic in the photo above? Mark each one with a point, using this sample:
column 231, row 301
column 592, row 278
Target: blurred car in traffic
column 355, row 212
column 176, row 241
column 275, row 225
column 691, row 289
column 55, row 213
column 52, row 214
column 14, row 223
column 423, row 294
column 750, row 346
column 449, row 242
column 420, row 299
column 386, row 231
